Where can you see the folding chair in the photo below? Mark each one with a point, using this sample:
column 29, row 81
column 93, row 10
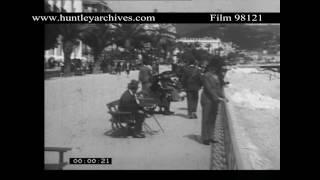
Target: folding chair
column 123, row 120
column 119, row 119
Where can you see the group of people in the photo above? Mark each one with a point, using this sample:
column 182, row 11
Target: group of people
column 129, row 101
column 121, row 66
column 193, row 79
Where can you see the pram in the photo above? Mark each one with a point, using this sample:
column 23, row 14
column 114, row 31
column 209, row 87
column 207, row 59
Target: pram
column 165, row 88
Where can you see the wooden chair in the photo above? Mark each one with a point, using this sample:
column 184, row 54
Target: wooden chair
column 124, row 120
column 119, row 119
column 61, row 163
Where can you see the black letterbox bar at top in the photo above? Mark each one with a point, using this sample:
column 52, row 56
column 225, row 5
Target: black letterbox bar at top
column 214, row 17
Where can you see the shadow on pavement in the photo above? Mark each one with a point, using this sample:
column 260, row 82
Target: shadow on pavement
column 194, row 137
column 119, row 133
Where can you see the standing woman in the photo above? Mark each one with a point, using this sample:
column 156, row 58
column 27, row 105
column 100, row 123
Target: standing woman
column 210, row 98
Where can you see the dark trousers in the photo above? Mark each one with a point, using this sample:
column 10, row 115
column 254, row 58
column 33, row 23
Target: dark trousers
column 209, row 116
column 118, row 70
column 139, row 119
column 165, row 103
column 192, row 101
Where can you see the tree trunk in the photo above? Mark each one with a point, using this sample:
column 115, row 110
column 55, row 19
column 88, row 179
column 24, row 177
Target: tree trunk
column 67, row 50
column 127, row 44
column 97, row 63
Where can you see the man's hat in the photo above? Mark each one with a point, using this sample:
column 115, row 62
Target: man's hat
column 134, row 84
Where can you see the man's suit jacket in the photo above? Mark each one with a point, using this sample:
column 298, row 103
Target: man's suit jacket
column 191, row 78
column 145, row 75
column 128, row 103
column 211, row 88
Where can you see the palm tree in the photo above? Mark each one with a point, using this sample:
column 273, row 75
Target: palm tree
column 69, row 34
column 130, row 36
column 163, row 40
column 51, row 34
column 97, row 37
column 51, row 30
column 70, row 39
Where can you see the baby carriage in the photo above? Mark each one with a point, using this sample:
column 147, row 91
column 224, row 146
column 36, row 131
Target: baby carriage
column 165, row 88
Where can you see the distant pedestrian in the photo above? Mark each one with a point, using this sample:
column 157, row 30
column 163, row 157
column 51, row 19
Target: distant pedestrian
column 128, row 68
column 90, row 67
column 155, row 68
column 121, row 66
column 174, row 67
column 191, row 80
column 210, row 98
column 118, row 68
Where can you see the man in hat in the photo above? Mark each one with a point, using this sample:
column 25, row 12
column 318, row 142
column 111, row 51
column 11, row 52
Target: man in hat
column 210, row 98
column 129, row 103
column 191, row 80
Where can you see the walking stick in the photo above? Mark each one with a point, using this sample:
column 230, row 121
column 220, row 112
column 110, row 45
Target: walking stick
column 151, row 114
column 157, row 122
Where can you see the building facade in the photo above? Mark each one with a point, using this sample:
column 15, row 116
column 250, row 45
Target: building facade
column 213, row 46
column 77, row 6
column 209, row 44
column 95, row 6
column 68, row 6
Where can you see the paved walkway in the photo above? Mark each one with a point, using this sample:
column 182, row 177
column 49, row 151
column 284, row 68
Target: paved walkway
column 76, row 117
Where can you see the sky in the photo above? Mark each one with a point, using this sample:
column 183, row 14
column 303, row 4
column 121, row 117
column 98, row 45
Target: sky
column 195, row 5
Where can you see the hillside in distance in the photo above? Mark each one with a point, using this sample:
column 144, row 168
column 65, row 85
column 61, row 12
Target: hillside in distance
column 245, row 36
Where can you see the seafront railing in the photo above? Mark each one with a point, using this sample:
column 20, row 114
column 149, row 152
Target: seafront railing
column 232, row 150
column 230, row 156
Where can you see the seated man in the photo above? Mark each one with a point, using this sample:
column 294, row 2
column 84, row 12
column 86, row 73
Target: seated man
column 129, row 103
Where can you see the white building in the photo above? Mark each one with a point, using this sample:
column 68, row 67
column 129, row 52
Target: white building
column 209, row 44
column 78, row 6
column 67, row 5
